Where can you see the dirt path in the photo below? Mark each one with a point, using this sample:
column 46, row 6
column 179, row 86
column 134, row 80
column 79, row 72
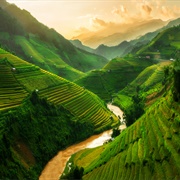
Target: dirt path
column 56, row 165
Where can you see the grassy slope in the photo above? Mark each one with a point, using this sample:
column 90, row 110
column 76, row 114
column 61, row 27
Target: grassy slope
column 49, row 50
column 47, row 57
column 148, row 149
column 73, row 113
column 56, row 89
column 113, row 77
column 149, row 82
column 164, row 45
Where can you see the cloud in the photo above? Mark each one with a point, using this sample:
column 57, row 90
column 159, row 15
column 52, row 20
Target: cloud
column 122, row 12
column 166, row 13
column 81, row 30
column 147, row 9
column 85, row 16
column 126, row 15
column 99, row 22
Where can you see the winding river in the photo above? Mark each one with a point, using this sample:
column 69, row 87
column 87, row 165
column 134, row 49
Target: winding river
column 56, row 165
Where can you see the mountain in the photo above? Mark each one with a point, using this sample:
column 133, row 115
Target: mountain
column 23, row 35
column 148, row 149
column 112, row 51
column 126, row 47
column 41, row 113
column 165, row 45
column 114, row 76
column 120, row 33
column 79, row 44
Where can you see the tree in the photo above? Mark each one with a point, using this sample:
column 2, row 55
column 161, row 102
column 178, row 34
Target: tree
column 116, row 132
column 135, row 111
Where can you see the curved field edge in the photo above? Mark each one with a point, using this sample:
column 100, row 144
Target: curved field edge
column 52, row 113
column 147, row 149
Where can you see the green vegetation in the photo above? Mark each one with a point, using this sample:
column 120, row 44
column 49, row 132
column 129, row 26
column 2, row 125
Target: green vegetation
column 148, row 149
column 34, row 133
column 44, row 47
column 165, row 45
column 147, row 85
column 113, row 77
column 176, row 72
column 40, row 114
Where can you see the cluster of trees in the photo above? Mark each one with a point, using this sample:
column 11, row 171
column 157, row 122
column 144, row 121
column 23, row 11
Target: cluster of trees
column 9, row 24
column 176, row 73
column 136, row 109
column 75, row 173
column 44, row 129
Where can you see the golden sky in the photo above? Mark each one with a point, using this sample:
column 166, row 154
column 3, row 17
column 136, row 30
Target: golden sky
column 73, row 17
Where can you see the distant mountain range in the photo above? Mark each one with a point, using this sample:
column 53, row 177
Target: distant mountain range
column 123, row 32
column 124, row 47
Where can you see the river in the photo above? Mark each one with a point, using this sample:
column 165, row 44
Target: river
column 55, row 167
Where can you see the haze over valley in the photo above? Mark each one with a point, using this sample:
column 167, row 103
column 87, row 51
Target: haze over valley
column 90, row 89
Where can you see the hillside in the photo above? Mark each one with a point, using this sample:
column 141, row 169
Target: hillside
column 114, row 76
column 148, row 85
column 148, row 149
column 41, row 113
column 125, row 47
column 79, row 44
column 23, row 35
column 164, row 46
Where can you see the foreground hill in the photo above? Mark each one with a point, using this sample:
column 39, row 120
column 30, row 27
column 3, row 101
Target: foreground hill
column 148, row 149
column 23, row 35
column 41, row 113
column 114, row 76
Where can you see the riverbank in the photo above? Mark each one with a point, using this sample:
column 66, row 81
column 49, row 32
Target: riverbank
column 119, row 113
column 56, row 165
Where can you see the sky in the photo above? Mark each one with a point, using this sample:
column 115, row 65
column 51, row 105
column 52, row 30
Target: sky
column 73, row 17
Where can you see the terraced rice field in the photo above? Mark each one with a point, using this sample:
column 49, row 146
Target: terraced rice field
column 149, row 83
column 11, row 92
column 149, row 149
column 25, row 77
column 81, row 103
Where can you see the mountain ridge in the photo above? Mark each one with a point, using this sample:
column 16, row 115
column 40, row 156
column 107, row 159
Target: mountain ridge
column 28, row 27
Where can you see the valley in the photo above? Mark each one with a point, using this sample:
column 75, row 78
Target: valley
column 55, row 167
column 68, row 111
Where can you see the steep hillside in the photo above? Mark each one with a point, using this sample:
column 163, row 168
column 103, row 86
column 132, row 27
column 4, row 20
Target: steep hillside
column 41, row 113
column 148, row 149
column 23, row 35
column 148, row 85
column 79, row 44
column 125, row 47
column 114, row 76
column 165, row 45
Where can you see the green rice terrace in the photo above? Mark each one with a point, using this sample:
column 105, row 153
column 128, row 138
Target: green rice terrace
column 148, row 85
column 23, row 77
column 164, row 46
column 32, row 98
column 148, row 149
column 114, row 76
